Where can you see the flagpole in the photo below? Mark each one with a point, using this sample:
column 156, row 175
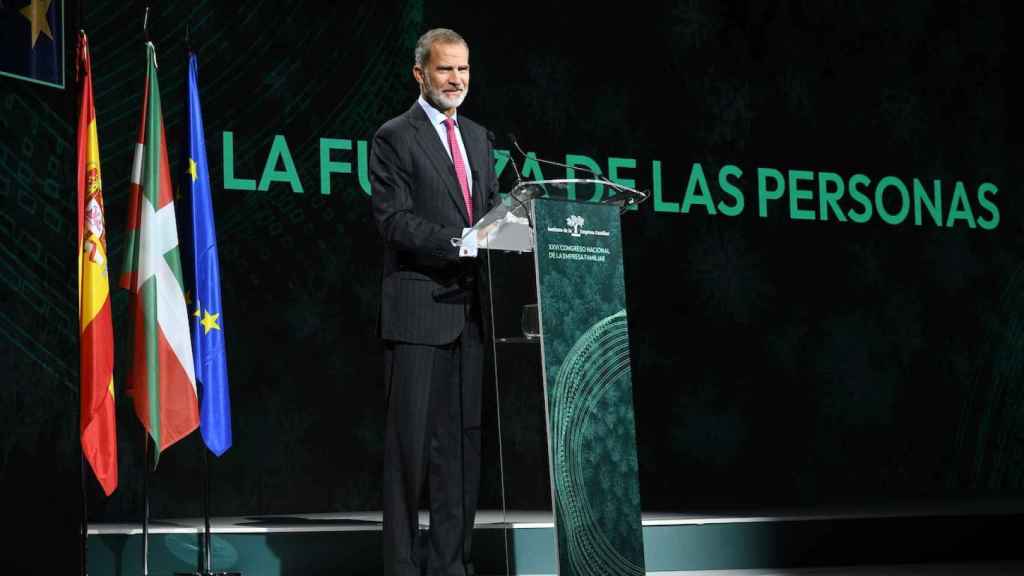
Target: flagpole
column 207, row 548
column 145, row 505
column 83, row 535
column 83, row 527
column 207, row 557
column 145, row 434
column 84, row 522
column 206, row 540
column 207, row 564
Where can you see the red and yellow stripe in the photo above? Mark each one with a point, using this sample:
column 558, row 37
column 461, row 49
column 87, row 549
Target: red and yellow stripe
column 98, row 417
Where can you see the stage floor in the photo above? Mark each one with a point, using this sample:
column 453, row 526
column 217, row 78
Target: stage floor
column 976, row 569
column 520, row 519
column 957, row 540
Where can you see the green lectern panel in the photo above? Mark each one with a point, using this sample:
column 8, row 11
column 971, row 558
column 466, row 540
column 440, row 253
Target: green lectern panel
column 591, row 433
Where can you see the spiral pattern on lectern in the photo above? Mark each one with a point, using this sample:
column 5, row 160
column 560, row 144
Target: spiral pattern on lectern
column 592, row 424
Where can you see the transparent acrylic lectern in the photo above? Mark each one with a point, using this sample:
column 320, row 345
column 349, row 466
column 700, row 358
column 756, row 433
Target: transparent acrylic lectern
column 556, row 312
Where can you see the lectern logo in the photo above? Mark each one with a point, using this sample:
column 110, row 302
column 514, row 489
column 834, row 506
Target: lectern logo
column 574, row 227
column 575, row 223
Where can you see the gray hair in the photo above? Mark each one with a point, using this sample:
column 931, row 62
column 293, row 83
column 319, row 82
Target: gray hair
column 431, row 37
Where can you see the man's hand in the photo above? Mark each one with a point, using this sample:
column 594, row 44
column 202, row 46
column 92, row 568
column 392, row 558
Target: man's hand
column 487, row 232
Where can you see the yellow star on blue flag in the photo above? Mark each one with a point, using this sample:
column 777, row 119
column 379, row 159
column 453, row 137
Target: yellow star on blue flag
column 209, row 322
column 32, row 41
column 36, row 14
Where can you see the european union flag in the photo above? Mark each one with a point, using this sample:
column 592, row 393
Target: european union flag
column 207, row 318
column 32, row 40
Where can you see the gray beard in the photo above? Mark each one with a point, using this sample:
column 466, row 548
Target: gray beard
column 439, row 100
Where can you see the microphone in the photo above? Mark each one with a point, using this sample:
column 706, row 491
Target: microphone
column 632, row 193
column 524, row 155
column 512, row 137
column 519, row 198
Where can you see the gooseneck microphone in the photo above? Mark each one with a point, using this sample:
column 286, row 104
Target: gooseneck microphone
column 511, row 159
column 632, row 195
column 519, row 199
column 597, row 175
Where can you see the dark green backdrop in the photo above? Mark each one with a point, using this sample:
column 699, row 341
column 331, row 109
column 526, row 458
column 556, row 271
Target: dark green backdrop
column 775, row 362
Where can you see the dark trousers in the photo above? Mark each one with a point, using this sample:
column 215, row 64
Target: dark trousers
column 432, row 434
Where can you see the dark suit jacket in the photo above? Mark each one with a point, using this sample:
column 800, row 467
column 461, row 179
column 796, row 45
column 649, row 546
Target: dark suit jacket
column 427, row 289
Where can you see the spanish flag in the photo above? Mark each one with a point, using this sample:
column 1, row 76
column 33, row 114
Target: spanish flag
column 99, row 433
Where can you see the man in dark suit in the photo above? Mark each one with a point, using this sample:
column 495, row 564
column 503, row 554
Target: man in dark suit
column 432, row 176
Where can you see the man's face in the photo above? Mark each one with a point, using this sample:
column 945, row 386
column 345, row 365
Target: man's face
column 444, row 79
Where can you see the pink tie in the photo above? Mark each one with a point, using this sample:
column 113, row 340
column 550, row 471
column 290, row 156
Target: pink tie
column 460, row 166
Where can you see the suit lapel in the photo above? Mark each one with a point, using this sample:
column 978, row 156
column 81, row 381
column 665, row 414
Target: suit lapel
column 426, row 137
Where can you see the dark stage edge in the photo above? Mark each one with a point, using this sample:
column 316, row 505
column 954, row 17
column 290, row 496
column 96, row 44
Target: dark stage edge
column 957, row 540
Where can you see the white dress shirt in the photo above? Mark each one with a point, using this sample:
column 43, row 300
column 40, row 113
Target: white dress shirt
column 437, row 119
